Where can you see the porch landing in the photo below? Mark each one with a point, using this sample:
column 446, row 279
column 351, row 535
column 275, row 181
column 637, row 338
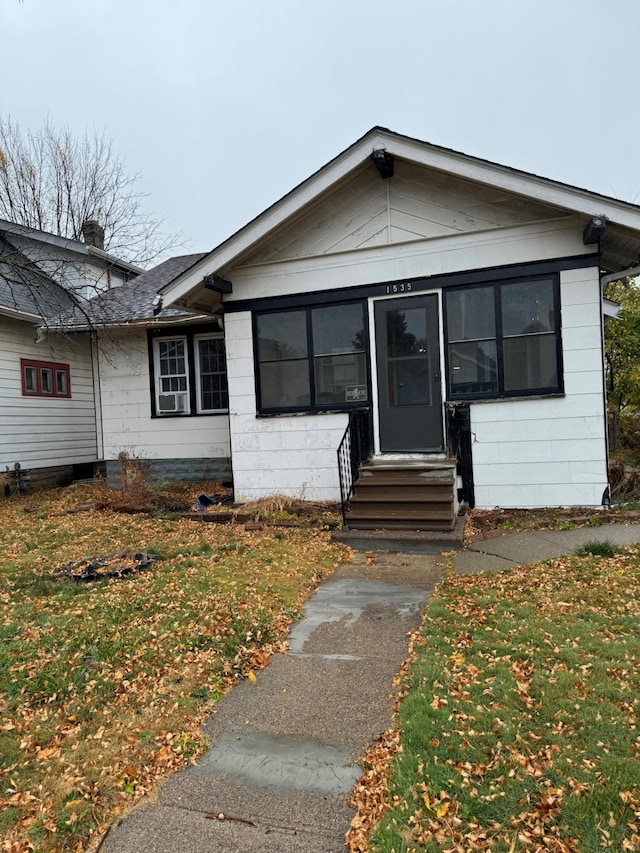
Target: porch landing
column 405, row 541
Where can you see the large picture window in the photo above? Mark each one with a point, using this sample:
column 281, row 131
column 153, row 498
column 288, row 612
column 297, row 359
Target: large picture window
column 189, row 374
column 312, row 358
column 503, row 339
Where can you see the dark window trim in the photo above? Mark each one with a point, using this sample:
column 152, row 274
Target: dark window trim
column 270, row 411
column 189, row 333
column 501, row 394
column 39, row 366
column 417, row 285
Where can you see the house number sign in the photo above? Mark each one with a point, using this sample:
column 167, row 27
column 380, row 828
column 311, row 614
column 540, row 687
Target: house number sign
column 404, row 287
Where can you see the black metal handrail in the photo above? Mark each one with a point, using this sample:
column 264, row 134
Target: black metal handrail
column 460, row 446
column 355, row 448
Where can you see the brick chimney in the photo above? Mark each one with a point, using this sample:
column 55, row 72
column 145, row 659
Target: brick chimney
column 93, row 233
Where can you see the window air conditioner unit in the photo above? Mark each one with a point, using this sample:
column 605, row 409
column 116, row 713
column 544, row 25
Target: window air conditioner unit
column 172, row 403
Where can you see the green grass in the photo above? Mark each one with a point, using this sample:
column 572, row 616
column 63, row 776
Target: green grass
column 519, row 730
column 597, row 548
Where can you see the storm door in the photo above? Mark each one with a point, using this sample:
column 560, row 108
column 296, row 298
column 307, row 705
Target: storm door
column 409, row 389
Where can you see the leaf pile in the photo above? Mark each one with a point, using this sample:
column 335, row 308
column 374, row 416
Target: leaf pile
column 104, row 686
column 519, row 718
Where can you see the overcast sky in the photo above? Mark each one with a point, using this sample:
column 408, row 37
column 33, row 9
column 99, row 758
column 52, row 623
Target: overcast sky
column 225, row 105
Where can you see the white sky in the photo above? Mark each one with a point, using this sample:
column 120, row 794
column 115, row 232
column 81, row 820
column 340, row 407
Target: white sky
column 225, row 105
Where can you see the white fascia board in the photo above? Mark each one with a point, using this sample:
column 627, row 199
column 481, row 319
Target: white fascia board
column 14, row 314
column 271, row 218
column 422, row 153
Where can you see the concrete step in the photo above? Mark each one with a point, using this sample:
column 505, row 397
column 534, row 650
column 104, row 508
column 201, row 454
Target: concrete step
column 400, row 524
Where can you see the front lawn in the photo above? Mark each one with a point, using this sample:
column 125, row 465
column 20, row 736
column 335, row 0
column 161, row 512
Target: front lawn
column 104, row 685
column 518, row 721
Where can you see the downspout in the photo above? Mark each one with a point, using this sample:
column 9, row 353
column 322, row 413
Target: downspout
column 97, row 394
column 593, row 233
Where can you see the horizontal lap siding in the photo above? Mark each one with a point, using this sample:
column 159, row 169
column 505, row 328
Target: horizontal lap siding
column 289, row 455
column 420, row 258
column 526, row 452
column 41, row 432
column 126, row 410
column 547, row 452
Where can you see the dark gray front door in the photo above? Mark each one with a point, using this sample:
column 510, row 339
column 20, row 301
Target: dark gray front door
column 408, row 356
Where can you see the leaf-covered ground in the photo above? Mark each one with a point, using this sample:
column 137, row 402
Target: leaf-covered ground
column 518, row 718
column 104, row 685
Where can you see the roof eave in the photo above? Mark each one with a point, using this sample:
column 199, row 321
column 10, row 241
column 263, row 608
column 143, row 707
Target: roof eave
column 544, row 190
column 16, row 314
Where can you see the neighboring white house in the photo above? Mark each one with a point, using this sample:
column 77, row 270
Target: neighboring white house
column 47, row 390
column 405, row 279
column 162, row 379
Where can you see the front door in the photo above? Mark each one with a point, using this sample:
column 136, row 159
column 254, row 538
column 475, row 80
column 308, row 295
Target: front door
column 409, row 390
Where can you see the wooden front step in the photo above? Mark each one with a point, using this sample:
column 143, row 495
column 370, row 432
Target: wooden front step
column 412, row 495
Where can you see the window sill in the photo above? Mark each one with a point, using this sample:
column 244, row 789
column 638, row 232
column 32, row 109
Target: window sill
column 169, row 415
column 546, row 395
column 304, row 413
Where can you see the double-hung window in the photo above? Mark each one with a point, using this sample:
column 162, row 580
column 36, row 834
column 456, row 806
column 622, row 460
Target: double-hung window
column 212, row 373
column 189, row 374
column 172, row 376
column 503, row 339
column 311, row 359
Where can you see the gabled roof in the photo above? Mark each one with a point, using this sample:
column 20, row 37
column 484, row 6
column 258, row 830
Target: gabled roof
column 620, row 248
column 135, row 301
column 65, row 243
column 25, row 291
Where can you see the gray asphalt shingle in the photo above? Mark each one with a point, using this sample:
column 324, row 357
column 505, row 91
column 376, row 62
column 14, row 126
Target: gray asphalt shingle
column 135, row 299
column 26, row 289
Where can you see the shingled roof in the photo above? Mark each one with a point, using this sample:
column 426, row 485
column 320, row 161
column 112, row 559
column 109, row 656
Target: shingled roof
column 134, row 301
column 27, row 291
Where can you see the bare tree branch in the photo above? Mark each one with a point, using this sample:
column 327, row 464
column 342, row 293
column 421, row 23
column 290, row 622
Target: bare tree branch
column 54, row 181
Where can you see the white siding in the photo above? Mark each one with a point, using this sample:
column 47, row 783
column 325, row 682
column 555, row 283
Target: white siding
column 418, row 202
column 550, row 452
column 416, row 259
column 126, row 409
column 288, row 455
column 527, row 452
column 35, row 431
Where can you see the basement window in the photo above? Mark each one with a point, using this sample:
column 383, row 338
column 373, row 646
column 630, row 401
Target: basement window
column 45, row 379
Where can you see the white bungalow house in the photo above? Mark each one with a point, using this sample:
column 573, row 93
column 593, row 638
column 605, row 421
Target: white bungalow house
column 447, row 307
column 48, row 415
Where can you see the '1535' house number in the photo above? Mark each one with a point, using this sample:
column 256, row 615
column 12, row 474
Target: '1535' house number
column 399, row 288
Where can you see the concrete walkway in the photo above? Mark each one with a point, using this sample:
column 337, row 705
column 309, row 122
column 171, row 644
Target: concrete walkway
column 284, row 749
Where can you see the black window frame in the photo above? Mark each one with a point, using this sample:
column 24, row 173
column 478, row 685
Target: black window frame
column 501, row 393
column 313, row 407
column 191, row 335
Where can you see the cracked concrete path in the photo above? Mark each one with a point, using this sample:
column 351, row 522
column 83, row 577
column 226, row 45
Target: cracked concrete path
column 284, row 750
